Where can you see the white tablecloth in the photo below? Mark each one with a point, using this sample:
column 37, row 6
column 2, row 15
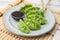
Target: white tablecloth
column 6, row 2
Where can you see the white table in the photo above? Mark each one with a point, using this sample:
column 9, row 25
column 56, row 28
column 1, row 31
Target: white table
column 6, row 2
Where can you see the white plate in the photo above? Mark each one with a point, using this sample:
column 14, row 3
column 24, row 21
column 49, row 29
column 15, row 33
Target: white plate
column 11, row 25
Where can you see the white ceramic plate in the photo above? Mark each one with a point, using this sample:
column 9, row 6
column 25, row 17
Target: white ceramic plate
column 11, row 25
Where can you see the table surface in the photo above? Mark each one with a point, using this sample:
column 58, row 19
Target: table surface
column 6, row 2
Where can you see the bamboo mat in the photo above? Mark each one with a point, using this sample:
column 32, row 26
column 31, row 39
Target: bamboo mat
column 6, row 35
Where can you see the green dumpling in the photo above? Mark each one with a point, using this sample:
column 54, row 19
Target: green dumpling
column 31, row 9
column 31, row 12
column 32, row 16
column 43, row 21
column 25, row 7
column 36, row 25
column 23, row 27
column 41, row 12
column 32, row 24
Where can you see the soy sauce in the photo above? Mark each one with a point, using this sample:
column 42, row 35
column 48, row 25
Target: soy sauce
column 18, row 15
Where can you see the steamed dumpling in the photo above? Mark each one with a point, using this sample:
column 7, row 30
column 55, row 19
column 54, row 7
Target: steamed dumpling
column 25, row 7
column 32, row 24
column 23, row 27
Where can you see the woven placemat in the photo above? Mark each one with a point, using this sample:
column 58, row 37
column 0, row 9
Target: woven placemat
column 6, row 35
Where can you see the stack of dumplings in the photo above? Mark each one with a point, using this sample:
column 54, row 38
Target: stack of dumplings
column 33, row 20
